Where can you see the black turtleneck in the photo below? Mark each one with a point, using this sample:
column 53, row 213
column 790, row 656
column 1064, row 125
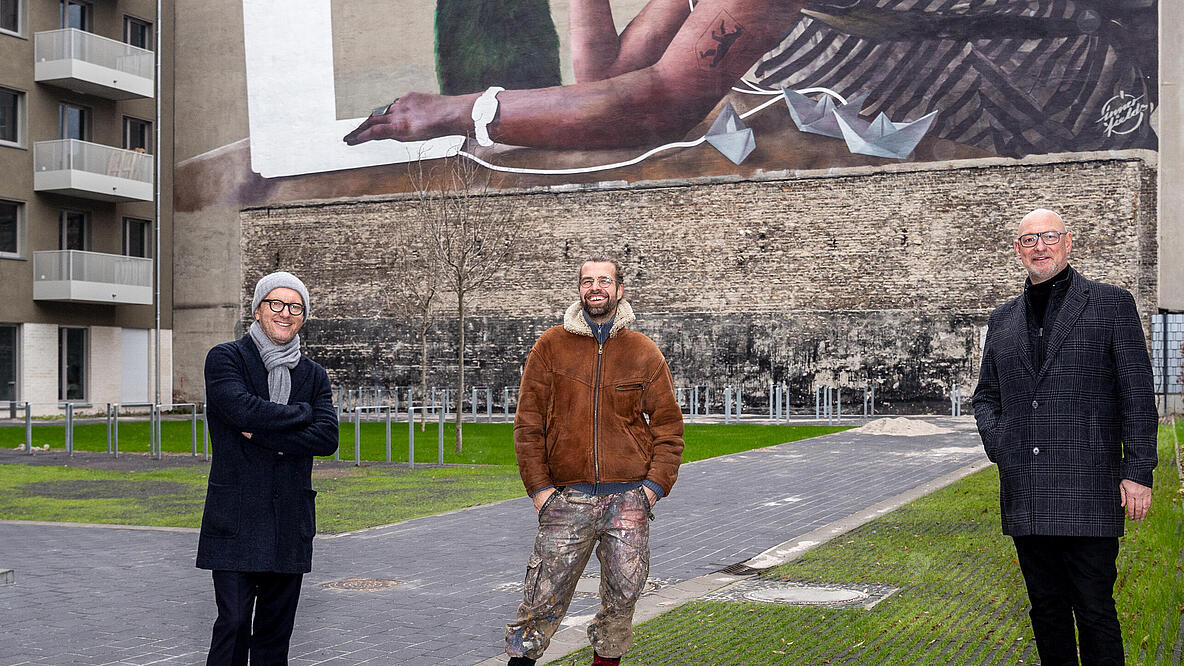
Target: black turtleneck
column 1044, row 304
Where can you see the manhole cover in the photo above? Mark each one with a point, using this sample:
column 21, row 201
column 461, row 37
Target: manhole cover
column 806, row 595
column 361, row 584
column 803, row 594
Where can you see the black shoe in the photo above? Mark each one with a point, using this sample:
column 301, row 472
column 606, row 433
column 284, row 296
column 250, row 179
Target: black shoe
column 520, row 661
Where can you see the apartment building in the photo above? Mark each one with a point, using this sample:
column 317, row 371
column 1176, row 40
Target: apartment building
column 77, row 214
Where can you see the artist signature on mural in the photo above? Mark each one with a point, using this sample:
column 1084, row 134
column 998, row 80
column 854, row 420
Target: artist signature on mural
column 1123, row 114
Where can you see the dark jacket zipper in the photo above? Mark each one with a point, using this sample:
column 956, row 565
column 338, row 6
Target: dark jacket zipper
column 596, row 415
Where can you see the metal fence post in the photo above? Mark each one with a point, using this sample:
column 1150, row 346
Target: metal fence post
column 838, row 404
column 69, row 428
column 506, row 403
column 727, row 405
column 205, row 432
column 739, row 405
column 108, row 428
column 115, row 431
column 28, row 427
column 771, row 401
column 193, row 433
column 489, row 404
column 440, row 440
column 411, row 434
column 357, row 437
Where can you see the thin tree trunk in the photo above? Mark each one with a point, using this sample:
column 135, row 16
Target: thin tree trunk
column 460, row 365
column 423, row 370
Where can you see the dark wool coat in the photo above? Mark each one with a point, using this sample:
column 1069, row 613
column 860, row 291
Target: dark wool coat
column 259, row 513
column 1065, row 434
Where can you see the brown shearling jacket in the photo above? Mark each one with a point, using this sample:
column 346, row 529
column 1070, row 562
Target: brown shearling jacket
column 581, row 406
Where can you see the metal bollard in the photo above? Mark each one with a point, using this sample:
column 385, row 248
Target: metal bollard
column 411, row 435
column 205, row 432
column 29, row 428
column 389, row 411
column 358, row 437
column 727, row 405
column 115, row 431
column 69, row 428
column 440, row 440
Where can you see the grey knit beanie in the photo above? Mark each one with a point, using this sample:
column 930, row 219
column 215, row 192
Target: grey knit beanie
column 276, row 280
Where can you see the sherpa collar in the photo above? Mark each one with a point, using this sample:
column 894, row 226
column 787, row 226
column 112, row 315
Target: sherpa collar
column 573, row 320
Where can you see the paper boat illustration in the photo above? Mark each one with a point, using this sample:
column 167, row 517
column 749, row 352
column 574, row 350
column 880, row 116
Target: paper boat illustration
column 730, row 136
column 881, row 137
column 817, row 117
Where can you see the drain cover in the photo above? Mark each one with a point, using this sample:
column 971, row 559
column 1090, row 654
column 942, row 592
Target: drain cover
column 805, row 595
column 361, row 584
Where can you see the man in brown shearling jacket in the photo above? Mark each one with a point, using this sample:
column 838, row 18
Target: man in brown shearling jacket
column 598, row 436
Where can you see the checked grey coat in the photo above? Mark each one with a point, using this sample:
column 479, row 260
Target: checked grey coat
column 1065, row 434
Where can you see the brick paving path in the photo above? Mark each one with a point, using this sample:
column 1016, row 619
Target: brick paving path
column 92, row 595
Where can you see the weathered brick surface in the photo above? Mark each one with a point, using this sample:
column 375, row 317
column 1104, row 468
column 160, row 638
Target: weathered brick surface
column 887, row 277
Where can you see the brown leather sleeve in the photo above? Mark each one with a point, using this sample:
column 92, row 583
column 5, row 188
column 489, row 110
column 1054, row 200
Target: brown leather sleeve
column 530, row 420
column 659, row 403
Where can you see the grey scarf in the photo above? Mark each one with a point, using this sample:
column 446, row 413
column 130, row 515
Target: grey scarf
column 279, row 361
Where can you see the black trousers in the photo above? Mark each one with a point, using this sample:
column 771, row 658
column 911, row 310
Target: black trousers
column 1068, row 579
column 256, row 611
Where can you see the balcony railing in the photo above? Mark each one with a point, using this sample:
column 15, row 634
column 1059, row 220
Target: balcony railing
column 93, row 64
column 92, row 170
column 91, row 277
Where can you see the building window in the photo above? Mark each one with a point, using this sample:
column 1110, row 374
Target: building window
column 137, row 134
column 137, row 33
column 11, row 105
column 10, row 16
column 76, row 14
column 137, row 237
column 8, row 360
column 71, row 364
column 73, row 122
column 12, row 230
column 74, row 231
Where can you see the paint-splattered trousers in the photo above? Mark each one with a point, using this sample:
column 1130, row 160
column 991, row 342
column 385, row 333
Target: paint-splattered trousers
column 571, row 523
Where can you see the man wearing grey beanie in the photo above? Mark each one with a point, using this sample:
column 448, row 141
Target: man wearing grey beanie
column 269, row 412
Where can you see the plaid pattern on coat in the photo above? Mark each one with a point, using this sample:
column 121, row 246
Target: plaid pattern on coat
column 1065, row 434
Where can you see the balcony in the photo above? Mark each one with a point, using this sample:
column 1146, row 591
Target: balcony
column 91, row 171
column 89, row 63
column 91, row 277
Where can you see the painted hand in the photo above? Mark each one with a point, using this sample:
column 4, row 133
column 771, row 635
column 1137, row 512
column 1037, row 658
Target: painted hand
column 1136, row 498
column 415, row 117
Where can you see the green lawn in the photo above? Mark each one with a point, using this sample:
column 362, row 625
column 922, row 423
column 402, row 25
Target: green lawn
column 349, row 497
column 484, row 443
column 961, row 598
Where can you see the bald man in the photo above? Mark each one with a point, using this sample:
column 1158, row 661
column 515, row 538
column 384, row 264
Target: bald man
column 1065, row 407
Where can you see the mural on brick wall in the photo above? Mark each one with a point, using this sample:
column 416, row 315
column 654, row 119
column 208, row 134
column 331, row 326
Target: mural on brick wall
column 592, row 90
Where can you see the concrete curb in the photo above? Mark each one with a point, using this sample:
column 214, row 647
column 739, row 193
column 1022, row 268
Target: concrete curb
column 572, row 638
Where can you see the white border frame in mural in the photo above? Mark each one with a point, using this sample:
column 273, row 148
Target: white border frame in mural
column 290, row 97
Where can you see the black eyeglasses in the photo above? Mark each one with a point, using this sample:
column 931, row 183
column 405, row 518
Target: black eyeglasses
column 276, row 305
column 1049, row 238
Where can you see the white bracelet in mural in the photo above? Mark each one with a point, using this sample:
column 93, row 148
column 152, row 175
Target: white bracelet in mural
column 484, row 111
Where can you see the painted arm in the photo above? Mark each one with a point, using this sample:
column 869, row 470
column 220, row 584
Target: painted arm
column 530, row 425
column 716, row 44
column 660, row 403
column 228, row 396
column 318, row 438
column 597, row 52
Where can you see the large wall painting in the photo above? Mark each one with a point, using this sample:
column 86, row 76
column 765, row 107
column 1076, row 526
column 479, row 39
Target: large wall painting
column 598, row 90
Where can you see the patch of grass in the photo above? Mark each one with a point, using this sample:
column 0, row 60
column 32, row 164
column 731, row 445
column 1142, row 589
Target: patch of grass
column 168, row 497
column 350, row 497
column 484, row 443
column 962, row 599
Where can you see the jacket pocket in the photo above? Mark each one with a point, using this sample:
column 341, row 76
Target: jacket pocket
column 221, row 515
column 627, row 400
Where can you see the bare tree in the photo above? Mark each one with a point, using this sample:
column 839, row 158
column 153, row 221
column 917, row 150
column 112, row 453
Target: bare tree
column 469, row 234
column 416, row 290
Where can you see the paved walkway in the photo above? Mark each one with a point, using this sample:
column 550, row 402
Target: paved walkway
column 95, row 595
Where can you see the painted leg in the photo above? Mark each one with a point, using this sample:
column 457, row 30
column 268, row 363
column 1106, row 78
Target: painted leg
column 624, row 554
column 562, row 547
